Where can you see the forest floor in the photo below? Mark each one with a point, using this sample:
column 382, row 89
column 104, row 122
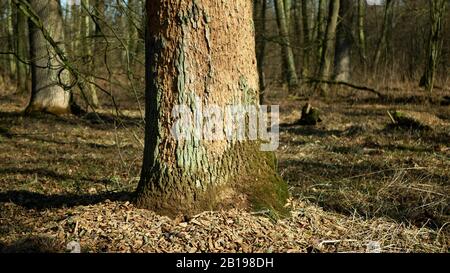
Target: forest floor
column 355, row 182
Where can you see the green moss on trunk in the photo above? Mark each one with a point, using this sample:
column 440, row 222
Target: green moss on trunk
column 245, row 178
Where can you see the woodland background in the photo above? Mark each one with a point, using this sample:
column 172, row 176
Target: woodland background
column 358, row 179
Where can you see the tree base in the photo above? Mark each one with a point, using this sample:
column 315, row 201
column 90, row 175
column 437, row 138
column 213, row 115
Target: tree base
column 54, row 110
column 253, row 185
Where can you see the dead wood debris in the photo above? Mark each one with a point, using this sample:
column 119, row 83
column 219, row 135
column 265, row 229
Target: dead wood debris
column 310, row 115
column 414, row 120
column 120, row 227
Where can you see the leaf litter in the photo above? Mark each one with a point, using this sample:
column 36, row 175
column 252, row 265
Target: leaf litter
column 118, row 226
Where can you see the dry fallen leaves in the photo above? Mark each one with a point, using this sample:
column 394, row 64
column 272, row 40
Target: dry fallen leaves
column 120, row 227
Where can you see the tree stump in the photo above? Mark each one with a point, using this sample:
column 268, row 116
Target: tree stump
column 310, row 115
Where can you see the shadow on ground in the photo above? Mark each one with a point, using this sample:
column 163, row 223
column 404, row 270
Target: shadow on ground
column 32, row 200
column 33, row 244
column 371, row 189
column 92, row 120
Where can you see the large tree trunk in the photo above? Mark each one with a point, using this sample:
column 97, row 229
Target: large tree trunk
column 47, row 72
column 202, row 49
column 437, row 11
column 286, row 49
column 343, row 42
column 328, row 45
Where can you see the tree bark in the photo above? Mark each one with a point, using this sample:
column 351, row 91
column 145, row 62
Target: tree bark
column 21, row 28
column 132, row 31
column 381, row 45
column 306, row 37
column 320, row 28
column 328, row 44
column 286, row 49
column 287, row 13
column 361, row 30
column 74, row 44
column 203, row 49
column 47, row 72
column 86, row 32
column 11, row 39
column 259, row 13
column 343, row 42
column 437, row 11
column 99, row 56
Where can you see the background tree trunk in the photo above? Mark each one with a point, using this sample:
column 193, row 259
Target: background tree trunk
column 320, row 28
column 209, row 54
column 328, row 44
column 381, row 45
column 286, row 49
column 11, row 40
column 361, row 31
column 46, row 70
column 343, row 42
column 99, row 56
column 287, row 14
column 21, row 28
column 437, row 11
column 259, row 13
column 86, row 33
column 306, row 37
column 74, row 44
column 132, row 30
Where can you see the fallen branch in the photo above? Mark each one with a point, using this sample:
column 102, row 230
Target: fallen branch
column 354, row 86
column 391, row 117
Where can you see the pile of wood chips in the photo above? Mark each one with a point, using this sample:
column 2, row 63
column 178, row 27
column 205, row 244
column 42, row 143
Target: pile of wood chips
column 121, row 227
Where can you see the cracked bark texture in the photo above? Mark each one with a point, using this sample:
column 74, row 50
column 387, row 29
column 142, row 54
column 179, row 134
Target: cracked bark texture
column 203, row 49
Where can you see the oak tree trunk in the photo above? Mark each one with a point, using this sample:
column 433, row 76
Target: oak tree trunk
column 201, row 49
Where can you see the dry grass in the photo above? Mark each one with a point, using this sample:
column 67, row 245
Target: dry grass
column 352, row 182
column 120, row 227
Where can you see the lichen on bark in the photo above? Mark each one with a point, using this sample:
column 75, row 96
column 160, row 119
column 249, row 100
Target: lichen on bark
column 202, row 53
